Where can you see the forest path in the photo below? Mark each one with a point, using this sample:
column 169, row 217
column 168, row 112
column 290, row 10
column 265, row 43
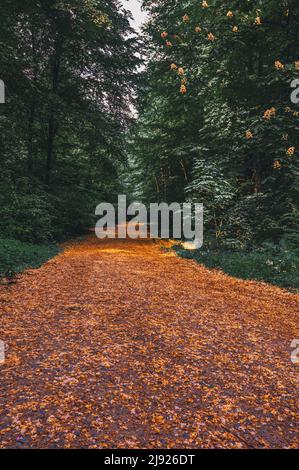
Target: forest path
column 120, row 344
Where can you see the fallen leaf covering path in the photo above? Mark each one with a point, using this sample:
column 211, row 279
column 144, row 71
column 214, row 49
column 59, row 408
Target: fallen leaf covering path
column 120, row 344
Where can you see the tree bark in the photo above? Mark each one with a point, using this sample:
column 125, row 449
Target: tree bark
column 30, row 144
column 52, row 126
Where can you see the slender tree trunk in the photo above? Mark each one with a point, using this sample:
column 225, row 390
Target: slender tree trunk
column 31, row 137
column 257, row 181
column 256, row 172
column 32, row 114
column 50, row 146
column 184, row 170
column 288, row 54
column 157, row 184
column 52, row 127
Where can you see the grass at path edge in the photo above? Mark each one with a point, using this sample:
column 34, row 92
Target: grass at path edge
column 17, row 256
column 278, row 267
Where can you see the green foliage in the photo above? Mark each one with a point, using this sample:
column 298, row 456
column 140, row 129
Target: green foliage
column 70, row 74
column 204, row 132
column 273, row 264
column 16, row 256
column 210, row 188
column 217, row 143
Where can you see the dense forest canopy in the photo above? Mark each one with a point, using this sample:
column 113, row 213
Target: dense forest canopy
column 216, row 121
column 109, row 340
column 70, row 69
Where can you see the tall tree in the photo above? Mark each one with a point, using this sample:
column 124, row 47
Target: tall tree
column 217, row 95
column 70, row 68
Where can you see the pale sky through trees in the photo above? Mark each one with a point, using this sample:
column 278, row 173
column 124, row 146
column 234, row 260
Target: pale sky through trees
column 138, row 15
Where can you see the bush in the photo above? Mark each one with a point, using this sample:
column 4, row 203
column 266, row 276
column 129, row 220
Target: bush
column 16, row 256
column 33, row 215
column 25, row 214
column 270, row 263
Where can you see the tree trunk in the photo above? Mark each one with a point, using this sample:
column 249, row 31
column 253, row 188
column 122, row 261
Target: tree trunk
column 30, row 144
column 52, row 127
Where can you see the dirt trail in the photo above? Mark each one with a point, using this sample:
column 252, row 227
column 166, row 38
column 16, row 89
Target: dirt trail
column 119, row 344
